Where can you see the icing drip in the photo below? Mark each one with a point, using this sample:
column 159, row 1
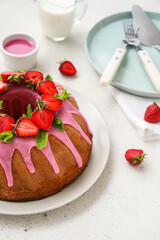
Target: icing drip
column 68, row 107
column 63, row 137
column 48, row 154
column 24, row 145
column 65, row 113
column 5, row 161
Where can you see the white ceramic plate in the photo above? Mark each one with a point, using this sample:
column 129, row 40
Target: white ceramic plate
column 92, row 172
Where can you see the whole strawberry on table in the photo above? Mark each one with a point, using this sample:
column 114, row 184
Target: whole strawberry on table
column 152, row 113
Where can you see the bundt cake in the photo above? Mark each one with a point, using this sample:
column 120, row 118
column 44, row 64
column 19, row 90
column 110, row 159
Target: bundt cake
column 45, row 142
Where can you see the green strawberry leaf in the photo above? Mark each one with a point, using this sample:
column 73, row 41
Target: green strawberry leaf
column 24, row 116
column 41, row 139
column 58, row 124
column 30, row 84
column 1, row 103
column 15, row 78
column 41, row 104
column 10, row 76
column 7, row 136
column 1, row 78
column 21, row 71
column 63, row 96
column 48, row 77
column 29, row 110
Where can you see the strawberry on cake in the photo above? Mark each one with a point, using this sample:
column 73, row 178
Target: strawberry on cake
column 45, row 142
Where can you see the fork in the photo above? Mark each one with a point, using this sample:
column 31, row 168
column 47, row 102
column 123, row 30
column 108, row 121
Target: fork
column 131, row 39
column 113, row 65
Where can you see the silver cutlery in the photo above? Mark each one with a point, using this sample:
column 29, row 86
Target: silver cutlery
column 131, row 39
column 148, row 33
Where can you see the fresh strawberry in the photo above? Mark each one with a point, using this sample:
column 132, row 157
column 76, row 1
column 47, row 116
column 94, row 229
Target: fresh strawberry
column 134, row 156
column 51, row 102
column 26, row 127
column 34, row 75
column 5, row 123
column 10, row 77
column 152, row 113
column 67, row 68
column 33, row 78
column 3, row 87
column 33, row 82
column 47, row 87
column 43, row 118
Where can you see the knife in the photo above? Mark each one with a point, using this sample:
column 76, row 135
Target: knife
column 148, row 32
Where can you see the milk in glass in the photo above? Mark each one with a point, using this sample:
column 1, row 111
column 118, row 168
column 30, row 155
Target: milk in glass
column 56, row 17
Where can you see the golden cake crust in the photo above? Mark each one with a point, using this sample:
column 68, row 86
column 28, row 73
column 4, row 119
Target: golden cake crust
column 44, row 182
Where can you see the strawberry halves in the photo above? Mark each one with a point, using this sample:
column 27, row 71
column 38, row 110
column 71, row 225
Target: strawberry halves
column 43, row 118
column 47, row 87
column 135, row 156
column 33, row 78
column 51, row 102
column 6, row 123
column 26, row 127
column 3, row 87
column 67, row 68
column 12, row 77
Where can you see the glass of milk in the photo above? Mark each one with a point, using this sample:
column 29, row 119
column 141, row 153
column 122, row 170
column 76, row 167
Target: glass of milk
column 58, row 16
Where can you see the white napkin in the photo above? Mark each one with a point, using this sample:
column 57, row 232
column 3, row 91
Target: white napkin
column 134, row 107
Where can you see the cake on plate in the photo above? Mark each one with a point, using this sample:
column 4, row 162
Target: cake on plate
column 45, row 142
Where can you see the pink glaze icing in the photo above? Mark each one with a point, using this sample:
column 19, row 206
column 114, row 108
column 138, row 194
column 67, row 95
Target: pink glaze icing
column 24, row 145
column 19, row 46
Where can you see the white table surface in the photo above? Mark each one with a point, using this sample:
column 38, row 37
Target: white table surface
column 124, row 204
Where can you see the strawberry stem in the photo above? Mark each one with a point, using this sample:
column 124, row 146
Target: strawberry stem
column 61, row 61
column 156, row 104
column 41, row 104
column 138, row 158
column 16, row 125
column 1, row 103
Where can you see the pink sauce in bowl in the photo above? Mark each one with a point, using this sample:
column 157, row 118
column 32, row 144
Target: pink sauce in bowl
column 19, row 46
column 19, row 51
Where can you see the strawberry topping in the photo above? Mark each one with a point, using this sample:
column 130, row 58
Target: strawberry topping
column 51, row 102
column 47, row 87
column 43, row 118
column 3, row 87
column 5, row 123
column 26, row 127
column 34, row 75
column 12, row 77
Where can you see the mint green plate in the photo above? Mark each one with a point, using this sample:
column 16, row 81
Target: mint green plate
column 103, row 40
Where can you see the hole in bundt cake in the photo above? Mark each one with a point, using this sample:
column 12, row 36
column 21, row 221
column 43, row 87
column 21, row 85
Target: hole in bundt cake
column 16, row 100
column 17, row 108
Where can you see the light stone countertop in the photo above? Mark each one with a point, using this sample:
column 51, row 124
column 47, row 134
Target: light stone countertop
column 124, row 204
